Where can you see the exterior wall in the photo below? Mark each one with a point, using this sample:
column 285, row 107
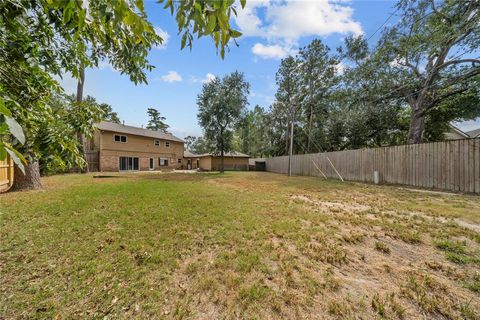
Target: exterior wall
column 230, row 163
column 210, row 163
column 136, row 146
column 193, row 163
column 453, row 135
column 205, row 163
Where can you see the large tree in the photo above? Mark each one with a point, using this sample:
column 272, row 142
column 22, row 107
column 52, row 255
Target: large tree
column 221, row 104
column 156, row 121
column 316, row 79
column 251, row 132
column 430, row 56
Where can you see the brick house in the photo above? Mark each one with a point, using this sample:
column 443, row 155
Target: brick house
column 118, row 147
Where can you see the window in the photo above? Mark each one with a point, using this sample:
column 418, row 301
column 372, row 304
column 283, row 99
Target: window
column 163, row 162
column 167, row 144
column 151, row 164
column 128, row 163
column 179, row 160
column 119, row 138
column 156, row 142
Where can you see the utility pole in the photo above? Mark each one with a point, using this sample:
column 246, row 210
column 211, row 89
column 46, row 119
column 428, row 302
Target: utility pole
column 290, row 151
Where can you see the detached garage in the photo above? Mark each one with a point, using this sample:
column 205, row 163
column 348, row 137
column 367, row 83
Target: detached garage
column 233, row 161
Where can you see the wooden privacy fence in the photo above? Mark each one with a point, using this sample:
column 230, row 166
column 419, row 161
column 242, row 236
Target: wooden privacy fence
column 92, row 160
column 6, row 174
column 448, row 165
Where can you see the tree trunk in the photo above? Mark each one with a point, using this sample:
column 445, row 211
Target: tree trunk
column 417, row 126
column 29, row 180
column 222, row 161
column 310, row 124
column 81, row 138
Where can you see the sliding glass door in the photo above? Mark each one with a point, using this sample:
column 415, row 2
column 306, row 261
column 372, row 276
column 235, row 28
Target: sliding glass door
column 128, row 164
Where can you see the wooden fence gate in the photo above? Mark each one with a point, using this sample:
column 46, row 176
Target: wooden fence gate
column 6, row 174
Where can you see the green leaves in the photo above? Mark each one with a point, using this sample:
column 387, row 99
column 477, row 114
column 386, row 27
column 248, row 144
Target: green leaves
column 8, row 126
column 205, row 18
column 3, row 109
column 15, row 129
column 221, row 104
column 16, row 156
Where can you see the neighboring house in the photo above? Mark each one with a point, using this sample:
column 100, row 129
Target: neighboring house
column 118, row 147
column 474, row 133
column 455, row 134
column 212, row 162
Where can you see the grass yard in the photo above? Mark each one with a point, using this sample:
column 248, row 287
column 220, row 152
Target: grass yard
column 239, row 245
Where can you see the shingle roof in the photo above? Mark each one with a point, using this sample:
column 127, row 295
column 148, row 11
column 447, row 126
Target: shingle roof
column 188, row 154
column 116, row 127
column 227, row 154
column 473, row 133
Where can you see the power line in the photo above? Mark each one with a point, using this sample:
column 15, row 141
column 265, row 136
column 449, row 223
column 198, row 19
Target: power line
column 383, row 24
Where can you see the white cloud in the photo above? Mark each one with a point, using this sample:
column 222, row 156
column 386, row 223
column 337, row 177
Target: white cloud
column 269, row 51
column 164, row 35
column 283, row 23
column 290, row 20
column 209, row 77
column 172, row 76
column 340, row 67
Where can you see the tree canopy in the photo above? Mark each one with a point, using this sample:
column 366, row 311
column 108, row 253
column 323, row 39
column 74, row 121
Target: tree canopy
column 221, row 104
column 156, row 121
column 39, row 39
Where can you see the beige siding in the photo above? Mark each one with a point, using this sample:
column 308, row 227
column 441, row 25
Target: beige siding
column 212, row 163
column 230, row 163
column 205, row 163
column 136, row 146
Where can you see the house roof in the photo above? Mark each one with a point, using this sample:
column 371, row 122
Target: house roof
column 121, row 128
column 188, row 154
column 473, row 133
column 458, row 131
column 235, row 154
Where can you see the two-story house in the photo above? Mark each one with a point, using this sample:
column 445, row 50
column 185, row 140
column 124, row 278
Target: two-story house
column 118, row 147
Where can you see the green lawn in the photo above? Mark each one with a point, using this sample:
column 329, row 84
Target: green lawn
column 239, row 245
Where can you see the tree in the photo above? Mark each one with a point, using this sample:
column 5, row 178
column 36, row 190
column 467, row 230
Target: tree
column 286, row 105
column 156, row 122
column 203, row 145
column 41, row 38
column 316, row 78
column 221, row 104
column 251, row 132
column 190, row 142
column 108, row 114
column 430, row 56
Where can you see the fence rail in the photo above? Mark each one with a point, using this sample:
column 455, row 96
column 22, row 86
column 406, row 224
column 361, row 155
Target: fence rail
column 447, row 165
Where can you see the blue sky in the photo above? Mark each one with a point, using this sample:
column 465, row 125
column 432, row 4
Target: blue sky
column 271, row 31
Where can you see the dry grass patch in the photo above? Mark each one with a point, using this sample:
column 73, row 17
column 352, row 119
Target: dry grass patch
column 236, row 246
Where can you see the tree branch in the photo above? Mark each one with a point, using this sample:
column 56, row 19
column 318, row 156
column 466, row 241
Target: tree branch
column 457, row 62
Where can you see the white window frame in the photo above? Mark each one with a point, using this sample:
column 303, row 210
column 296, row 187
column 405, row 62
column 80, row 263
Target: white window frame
column 120, row 138
column 156, row 142
column 167, row 144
